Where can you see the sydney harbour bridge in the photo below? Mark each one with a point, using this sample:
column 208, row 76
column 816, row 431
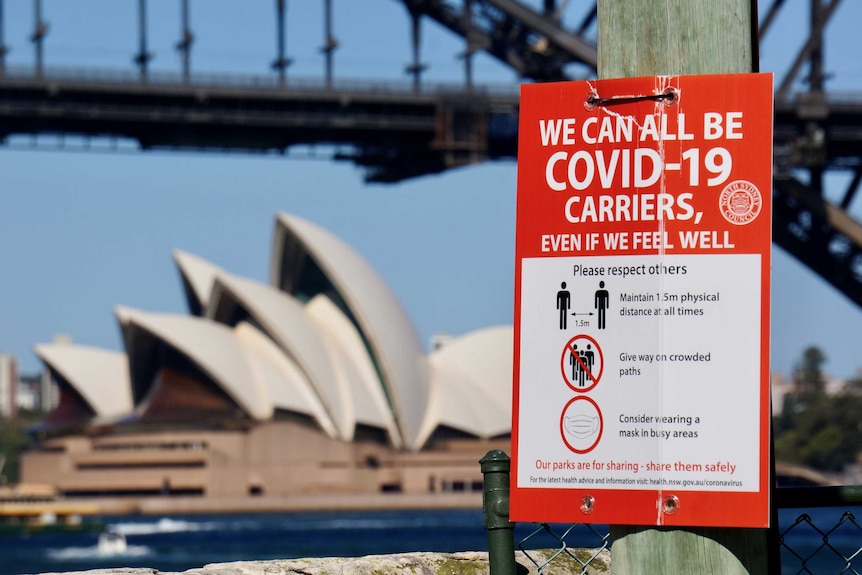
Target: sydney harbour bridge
column 400, row 131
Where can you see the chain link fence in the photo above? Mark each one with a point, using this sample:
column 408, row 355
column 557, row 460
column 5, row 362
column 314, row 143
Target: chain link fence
column 807, row 547
column 579, row 544
column 825, row 538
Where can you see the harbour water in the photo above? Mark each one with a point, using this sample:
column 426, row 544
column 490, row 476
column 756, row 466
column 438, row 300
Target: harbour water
column 177, row 543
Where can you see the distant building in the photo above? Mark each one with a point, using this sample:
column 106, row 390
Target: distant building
column 315, row 383
column 49, row 394
column 30, row 391
column 780, row 388
column 8, row 386
column 833, row 385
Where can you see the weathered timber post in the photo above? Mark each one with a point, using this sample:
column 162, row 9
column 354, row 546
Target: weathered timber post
column 495, row 508
column 676, row 37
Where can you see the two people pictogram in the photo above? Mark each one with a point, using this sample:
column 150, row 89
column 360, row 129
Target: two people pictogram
column 601, row 302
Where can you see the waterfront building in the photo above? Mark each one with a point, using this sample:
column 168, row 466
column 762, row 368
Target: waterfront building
column 316, row 383
column 8, row 386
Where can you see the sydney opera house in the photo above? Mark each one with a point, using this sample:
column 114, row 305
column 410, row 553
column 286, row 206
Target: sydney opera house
column 314, row 384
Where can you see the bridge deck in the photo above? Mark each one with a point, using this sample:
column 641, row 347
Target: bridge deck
column 395, row 131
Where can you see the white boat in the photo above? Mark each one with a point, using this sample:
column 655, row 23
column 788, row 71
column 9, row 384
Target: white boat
column 112, row 543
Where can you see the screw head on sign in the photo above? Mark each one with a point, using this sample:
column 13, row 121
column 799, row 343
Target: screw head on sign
column 671, row 97
column 588, row 503
column 670, row 505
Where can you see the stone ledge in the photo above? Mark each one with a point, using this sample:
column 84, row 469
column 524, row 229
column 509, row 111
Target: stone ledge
column 463, row 563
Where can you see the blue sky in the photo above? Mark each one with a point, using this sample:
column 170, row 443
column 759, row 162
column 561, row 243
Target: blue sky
column 83, row 232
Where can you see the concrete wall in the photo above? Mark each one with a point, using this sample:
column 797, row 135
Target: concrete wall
column 466, row 563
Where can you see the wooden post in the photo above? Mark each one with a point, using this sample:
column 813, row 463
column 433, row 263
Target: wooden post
column 676, row 37
column 650, row 37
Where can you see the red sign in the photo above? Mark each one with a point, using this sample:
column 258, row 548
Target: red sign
column 641, row 378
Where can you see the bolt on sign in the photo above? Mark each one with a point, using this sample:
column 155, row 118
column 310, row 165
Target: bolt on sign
column 643, row 242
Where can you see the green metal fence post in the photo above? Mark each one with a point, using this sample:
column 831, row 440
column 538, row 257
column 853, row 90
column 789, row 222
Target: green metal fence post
column 495, row 508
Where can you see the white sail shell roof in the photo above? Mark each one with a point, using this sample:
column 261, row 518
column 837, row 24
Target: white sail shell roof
column 472, row 383
column 284, row 320
column 288, row 387
column 198, row 275
column 353, row 364
column 212, row 347
column 100, row 376
column 485, row 356
column 388, row 332
column 327, row 340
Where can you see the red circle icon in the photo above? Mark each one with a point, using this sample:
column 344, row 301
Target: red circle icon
column 581, row 424
column 582, row 363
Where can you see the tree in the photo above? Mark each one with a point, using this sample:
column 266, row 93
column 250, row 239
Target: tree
column 13, row 441
column 809, row 374
column 815, row 429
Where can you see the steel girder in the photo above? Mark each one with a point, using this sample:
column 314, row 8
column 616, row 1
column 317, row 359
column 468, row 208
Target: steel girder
column 532, row 43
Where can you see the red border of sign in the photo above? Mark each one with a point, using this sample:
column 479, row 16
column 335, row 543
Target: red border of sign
column 754, row 92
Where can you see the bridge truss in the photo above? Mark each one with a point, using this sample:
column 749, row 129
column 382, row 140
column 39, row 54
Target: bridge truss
column 398, row 131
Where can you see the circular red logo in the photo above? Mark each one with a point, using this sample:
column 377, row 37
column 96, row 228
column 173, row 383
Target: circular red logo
column 740, row 202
